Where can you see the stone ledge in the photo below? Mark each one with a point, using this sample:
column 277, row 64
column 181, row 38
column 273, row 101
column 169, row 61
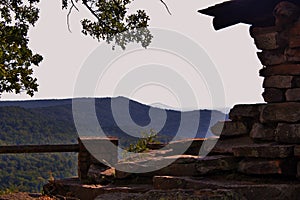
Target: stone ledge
column 271, row 57
column 203, row 194
column 282, row 82
column 274, row 95
column 245, row 112
column 73, row 188
column 258, row 166
column 281, row 112
column 229, row 129
column 180, row 165
column 293, row 94
column 225, row 146
column 212, row 164
column 297, row 150
column 285, row 69
column 263, row 132
column 250, row 188
column 264, row 151
column 288, row 133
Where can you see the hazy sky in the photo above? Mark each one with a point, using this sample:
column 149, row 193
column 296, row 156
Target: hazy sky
column 231, row 50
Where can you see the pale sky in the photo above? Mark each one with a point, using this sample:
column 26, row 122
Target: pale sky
column 231, row 50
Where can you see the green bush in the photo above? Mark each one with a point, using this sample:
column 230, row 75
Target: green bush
column 141, row 145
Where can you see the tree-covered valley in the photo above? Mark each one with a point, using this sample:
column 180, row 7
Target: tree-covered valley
column 51, row 122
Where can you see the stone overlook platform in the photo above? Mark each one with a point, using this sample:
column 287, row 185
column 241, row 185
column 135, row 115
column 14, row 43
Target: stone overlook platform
column 252, row 159
column 257, row 155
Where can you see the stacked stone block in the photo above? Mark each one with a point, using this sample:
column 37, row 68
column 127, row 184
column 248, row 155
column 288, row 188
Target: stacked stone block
column 86, row 160
column 257, row 141
column 266, row 136
column 280, row 55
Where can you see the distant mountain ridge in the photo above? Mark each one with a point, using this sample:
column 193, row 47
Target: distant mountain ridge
column 61, row 110
column 35, row 103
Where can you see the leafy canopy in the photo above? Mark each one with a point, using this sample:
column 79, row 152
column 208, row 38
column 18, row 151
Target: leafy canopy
column 111, row 24
column 16, row 59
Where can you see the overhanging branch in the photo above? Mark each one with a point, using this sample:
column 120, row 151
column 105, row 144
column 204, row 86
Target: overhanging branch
column 166, row 6
column 69, row 13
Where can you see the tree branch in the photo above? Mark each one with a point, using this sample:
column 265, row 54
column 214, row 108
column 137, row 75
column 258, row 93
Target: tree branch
column 84, row 2
column 69, row 13
column 73, row 4
column 166, row 6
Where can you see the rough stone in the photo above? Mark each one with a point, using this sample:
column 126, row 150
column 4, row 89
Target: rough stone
column 244, row 112
column 292, row 54
column 294, row 42
column 263, row 132
column 180, row 165
column 73, row 188
column 267, row 41
column 101, row 149
column 174, row 169
column 281, row 112
column 298, row 169
column 268, row 167
column 176, row 165
column 193, row 146
column 269, row 38
column 264, row 151
column 296, row 82
column 91, row 147
column 294, row 30
column 273, row 95
column 243, row 189
column 285, row 69
column 202, row 194
column 280, row 82
column 211, row 164
column 271, row 57
column 100, row 174
column 119, row 196
column 297, row 150
column 225, row 146
column 168, row 182
column 293, row 94
column 288, row 133
column 229, row 128
column 254, row 31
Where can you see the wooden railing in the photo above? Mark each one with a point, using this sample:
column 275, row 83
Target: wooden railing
column 39, row 148
column 85, row 159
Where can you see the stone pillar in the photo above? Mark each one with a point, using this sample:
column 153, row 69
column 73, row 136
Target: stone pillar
column 86, row 158
column 280, row 55
column 266, row 136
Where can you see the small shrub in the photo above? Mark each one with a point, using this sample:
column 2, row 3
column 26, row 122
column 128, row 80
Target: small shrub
column 141, row 145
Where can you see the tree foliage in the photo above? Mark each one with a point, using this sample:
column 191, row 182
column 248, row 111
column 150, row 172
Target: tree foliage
column 16, row 58
column 29, row 172
column 111, row 23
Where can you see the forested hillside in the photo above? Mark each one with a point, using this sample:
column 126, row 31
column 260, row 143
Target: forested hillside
column 28, row 172
column 51, row 122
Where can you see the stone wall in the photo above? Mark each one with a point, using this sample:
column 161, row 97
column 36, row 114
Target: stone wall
column 267, row 136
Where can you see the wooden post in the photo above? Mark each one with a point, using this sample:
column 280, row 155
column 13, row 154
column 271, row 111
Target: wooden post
column 86, row 159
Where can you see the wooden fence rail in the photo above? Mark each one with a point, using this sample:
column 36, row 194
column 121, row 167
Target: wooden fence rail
column 39, row 148
column 85, row 159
